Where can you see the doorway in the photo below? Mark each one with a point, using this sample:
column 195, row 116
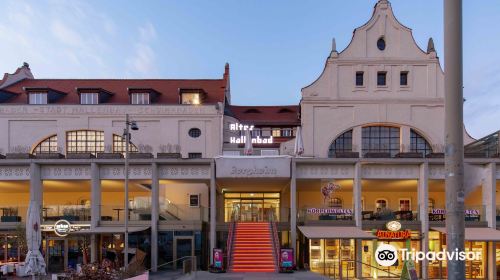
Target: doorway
column 183, row 247
column 251, row 207
column 63, row 253
column 56, row 254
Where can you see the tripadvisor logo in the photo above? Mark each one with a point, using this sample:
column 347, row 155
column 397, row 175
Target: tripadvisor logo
column 387, row 255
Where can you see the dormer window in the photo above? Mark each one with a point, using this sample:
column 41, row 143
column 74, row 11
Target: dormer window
column 140, row 98
column 38, row 98
column 191, row 98
column 89, row 98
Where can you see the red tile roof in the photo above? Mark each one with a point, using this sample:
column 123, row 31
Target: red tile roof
column 267, row 115
column 167, row 89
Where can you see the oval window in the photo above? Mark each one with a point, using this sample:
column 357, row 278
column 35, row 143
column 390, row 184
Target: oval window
column 381, row 44
column 194, row 132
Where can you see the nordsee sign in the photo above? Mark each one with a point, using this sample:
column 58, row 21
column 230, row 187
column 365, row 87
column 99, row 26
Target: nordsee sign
column 253, row 167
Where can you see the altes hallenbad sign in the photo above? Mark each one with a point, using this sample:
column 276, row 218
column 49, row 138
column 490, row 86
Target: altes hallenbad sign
column 243, row 139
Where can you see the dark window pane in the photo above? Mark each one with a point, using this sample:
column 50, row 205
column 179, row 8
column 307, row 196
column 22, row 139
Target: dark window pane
column 403, row 78
column 381, row 78
column 359, row 78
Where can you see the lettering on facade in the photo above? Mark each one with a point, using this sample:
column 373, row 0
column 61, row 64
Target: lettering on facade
column 329, row 211
column 387, row 234
column 235, row 171
column 468, row 212
column 243, row 139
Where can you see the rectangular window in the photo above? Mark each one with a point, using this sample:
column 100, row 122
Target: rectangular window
column 404, row 205
column 194, row 200
column 381, row 78
column 140, row 98
column 194, row 155
column 287, row 132
column 38, row 98
column 190, row 98
column 89, row 98
column 403, row 78
column 359, row 78
column 276, row 132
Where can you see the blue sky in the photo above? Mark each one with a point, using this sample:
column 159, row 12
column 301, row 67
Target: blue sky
column 274, row 47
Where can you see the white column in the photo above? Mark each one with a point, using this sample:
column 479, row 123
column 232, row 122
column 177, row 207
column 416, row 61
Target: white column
column 95, row 195
column 155, row 214
column 213, row 211
column 405, row 139
column 293, row 207
column 356, row 139
column 358, row 218
column 489, row 206
column 423, row 206
column 36, row 188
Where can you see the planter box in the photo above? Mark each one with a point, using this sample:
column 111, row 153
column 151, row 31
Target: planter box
column 377, row 155
column 347, row 155
column 110, row 155
column 435, row 155
column 19, row 156
column 7, row 219
column 79, row 156
column 168, row 155
column 49, row 156
column 140, row 155
column 409, row 155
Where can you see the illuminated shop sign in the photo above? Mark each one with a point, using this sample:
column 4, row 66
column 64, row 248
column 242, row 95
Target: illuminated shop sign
column 468, row 212
column 63, row 228
column 393, row 231
column 242, row 139
column 329, row 211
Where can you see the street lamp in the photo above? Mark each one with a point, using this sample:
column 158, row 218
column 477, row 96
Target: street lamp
column 128, row 125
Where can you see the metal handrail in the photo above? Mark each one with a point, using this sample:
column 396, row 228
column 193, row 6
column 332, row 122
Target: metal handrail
column 229, row 242
column 275, row 238
column 341, row 276
column 170, row 262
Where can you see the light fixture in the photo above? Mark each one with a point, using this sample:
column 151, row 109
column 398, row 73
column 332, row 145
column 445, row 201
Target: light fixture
column 133, row 125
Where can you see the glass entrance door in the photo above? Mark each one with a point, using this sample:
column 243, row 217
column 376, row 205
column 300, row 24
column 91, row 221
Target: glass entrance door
column 252, row 207
column 183, row 247
column 55, row 255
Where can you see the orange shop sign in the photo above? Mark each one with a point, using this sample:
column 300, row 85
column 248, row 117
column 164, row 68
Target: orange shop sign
column 387, row 234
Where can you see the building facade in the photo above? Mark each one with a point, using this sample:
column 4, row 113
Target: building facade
column 372, row 131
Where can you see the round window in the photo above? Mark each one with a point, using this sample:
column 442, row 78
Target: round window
column 194, row 132
column 381, row 44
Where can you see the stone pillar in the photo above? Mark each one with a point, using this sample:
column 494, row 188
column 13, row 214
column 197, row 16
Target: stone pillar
column 356, row 139
column 155, row 215
column 93, row 248
column 358, row 218
column 293, row 207
column 95, row 195
column 213, row 211
column 489, row 206
column 405, row 139
column 423, row 212
column 36, row 186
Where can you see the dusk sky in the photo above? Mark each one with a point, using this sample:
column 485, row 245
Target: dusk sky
column 274, row 47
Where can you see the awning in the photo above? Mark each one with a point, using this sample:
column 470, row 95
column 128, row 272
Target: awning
column 112, row 230
column 477, row 234
column 318, row 232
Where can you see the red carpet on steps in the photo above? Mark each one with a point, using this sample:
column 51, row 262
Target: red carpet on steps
column 253, row 248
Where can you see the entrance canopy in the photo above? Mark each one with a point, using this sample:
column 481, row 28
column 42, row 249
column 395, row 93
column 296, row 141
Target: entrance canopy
column 118, row 229
column 477, row 234
column 318, row 232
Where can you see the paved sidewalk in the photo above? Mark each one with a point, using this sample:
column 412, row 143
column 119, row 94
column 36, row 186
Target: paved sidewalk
column 300, row 275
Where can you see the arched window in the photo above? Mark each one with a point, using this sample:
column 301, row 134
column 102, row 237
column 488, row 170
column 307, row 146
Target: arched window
column 119, row 145
column 418, row 144
column 47, row 146
column 85, row 141
column 381, row 139
column 343, row 143
column 335, row 202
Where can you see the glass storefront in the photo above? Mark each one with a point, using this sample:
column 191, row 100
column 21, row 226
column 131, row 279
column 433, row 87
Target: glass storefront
column 371, row 269
column 473, row 269
column 332, row 257
column 251, row 207
column 10, row 249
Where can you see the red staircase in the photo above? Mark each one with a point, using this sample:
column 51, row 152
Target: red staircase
column 253, row 248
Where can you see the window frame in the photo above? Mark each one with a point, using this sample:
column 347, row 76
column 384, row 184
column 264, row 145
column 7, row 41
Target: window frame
column 341, row 144
column 192, row 130
column 373, row 139
column 405, row 74
column 416, row 142
column 42, row 95
column 384, row 73
column 195, row 155
column 183, row 94
column 135, row 101
column 94, row 146
column 52, row 147
column 194, row 195
column 362, row 81
column 119, row 143
column 86, row 94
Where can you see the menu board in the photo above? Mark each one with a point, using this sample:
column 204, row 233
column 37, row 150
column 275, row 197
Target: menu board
column 286, row 258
